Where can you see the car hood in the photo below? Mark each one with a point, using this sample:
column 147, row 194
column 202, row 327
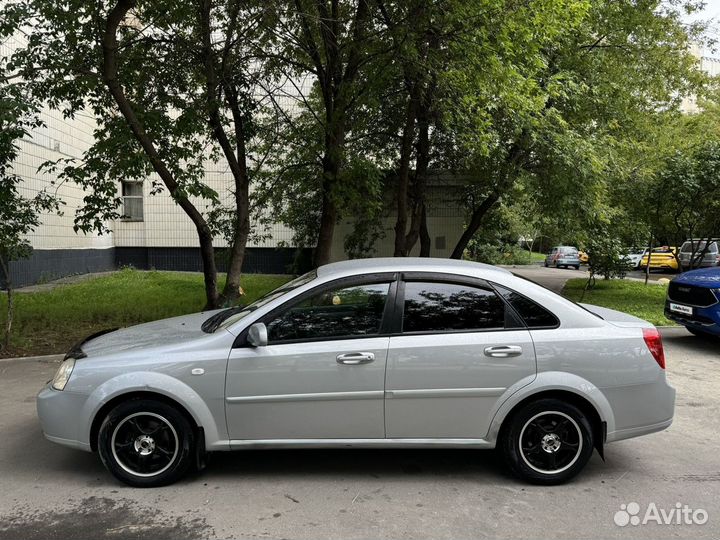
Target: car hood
column 618, row 318
column 703, row 277
column 176, row 330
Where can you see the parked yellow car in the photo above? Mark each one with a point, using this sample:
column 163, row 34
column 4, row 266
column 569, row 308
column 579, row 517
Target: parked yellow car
column 663, row 258
column 583, row 256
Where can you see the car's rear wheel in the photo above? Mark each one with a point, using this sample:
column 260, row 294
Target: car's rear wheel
column 146, row 443
column 547, row 442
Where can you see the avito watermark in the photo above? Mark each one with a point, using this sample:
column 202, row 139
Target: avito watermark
column 680, row 514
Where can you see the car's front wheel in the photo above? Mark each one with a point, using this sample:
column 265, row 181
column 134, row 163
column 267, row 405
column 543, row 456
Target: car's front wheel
column 547, row 442
column 146, row 443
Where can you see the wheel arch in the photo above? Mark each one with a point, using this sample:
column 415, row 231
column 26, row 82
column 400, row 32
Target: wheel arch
column 560, row 385
column 599, row 426
column 156, row 386
column 133, row 395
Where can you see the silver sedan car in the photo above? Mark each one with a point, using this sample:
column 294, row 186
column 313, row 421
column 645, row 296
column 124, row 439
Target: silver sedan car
column 400, row 353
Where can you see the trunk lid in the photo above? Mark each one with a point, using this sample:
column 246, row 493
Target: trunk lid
column 618, row 318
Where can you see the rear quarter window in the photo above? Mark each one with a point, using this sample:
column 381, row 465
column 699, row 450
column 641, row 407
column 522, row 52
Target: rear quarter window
column 532, row 313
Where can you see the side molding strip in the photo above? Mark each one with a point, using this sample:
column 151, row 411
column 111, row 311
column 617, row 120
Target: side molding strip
column 317, row 396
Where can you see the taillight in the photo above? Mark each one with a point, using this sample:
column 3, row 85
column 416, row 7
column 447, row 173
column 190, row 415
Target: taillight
column 653, row 340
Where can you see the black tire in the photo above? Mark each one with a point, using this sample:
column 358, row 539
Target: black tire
column 577, row 267
column 534, row 427
column 146, row 443
column 546, row 264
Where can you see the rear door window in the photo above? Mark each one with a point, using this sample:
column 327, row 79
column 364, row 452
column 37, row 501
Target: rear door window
column 444, row 307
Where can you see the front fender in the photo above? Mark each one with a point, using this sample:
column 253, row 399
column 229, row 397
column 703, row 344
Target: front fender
column 549, row 381
column 159, row 383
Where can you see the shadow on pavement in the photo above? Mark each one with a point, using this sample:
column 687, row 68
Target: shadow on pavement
column 681, row 337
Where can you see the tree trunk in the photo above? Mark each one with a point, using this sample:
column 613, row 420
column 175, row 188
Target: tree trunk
column 422, row 161
column 328, row 217
column 424, row 234
column 650, row 249
column 231, row 291
column 334, row 143
column 237, row 163
column 404, row 178
column 475, row 221
column 10, row 304
column 110, row 76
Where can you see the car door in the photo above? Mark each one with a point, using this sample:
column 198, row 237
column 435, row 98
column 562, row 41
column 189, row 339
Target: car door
column 459, row 350
column 321, row 375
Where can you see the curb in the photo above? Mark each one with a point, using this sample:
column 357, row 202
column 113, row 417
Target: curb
column 48, row 358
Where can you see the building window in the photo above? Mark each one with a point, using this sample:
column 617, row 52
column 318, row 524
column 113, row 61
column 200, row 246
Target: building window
column 132, row 196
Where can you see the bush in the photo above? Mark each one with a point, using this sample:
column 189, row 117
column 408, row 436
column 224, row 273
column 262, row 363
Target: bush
column 607, row 257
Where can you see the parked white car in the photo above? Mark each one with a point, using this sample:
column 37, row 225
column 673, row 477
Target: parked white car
column 634, row 257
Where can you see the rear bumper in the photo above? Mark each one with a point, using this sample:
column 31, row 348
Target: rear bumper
column 641, row 409
column 629, row 433
column 567, row 262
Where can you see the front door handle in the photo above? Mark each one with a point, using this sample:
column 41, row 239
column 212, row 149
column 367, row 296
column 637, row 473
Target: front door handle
column 355, row 358
column 503, row 351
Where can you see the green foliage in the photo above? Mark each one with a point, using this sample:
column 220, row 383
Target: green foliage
column 511, row 254
column 51, row 321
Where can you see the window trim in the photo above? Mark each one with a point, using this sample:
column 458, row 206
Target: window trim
column 366, row 279
column 132, row 219
column 453, row 279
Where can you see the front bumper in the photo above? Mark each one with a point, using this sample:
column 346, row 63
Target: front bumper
column 59, row 413
column 705, row 319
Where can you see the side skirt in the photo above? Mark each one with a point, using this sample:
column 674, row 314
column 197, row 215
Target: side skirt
column 358, row 443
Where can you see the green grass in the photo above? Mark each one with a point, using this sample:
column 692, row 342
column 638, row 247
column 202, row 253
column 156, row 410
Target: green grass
column 633, row 297
column 52, row 321
column 537, row 257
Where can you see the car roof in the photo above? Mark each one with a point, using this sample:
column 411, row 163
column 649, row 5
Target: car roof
column 407, row 264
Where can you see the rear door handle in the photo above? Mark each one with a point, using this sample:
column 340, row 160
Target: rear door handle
column 355, row 358
column 503, row 351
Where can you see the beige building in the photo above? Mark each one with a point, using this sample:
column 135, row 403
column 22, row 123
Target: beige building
column 709, row 65
column 155, row 232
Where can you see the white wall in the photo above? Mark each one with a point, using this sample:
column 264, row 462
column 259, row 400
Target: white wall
column 60, row 138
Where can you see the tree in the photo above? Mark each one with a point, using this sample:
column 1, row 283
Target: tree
column 607, row 66
column 335, row 43
column 19, row 214
column 170, row 89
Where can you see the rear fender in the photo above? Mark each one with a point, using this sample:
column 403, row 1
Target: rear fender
column 553, row 381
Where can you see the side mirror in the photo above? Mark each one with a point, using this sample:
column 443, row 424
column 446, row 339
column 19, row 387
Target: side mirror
column 257, row 335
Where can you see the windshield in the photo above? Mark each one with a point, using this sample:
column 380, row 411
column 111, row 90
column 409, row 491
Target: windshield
column 568, row 251
column 230, row 316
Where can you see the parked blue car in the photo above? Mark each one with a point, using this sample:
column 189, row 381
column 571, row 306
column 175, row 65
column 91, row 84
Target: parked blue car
column 693, row 300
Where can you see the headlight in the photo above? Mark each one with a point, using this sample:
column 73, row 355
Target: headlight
column 63, row 374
